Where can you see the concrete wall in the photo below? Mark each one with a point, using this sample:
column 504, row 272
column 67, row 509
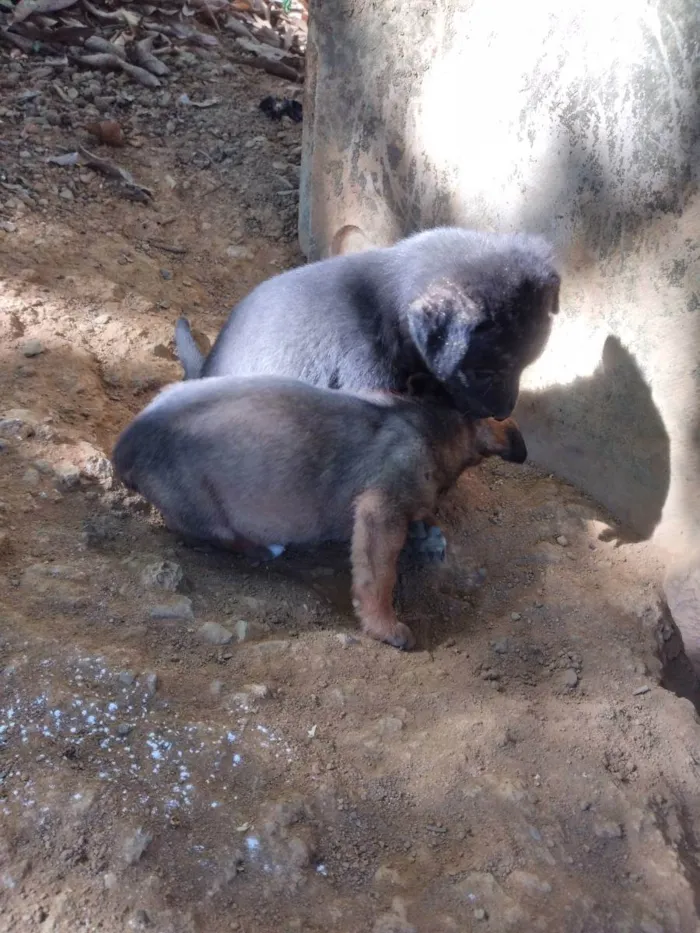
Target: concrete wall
column 580, row 121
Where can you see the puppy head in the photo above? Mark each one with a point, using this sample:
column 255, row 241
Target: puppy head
column 500, row 439
column 486, row 320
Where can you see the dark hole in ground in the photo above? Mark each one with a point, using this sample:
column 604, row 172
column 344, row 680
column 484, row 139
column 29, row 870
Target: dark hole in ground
column 678, row 673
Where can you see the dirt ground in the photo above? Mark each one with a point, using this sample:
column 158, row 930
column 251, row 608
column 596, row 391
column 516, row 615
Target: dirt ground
column 191, row 743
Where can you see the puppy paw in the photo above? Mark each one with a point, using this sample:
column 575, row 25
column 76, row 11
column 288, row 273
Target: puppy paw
column 397, row 634
column 426, row 544
column 261, row 554
column 402, row 638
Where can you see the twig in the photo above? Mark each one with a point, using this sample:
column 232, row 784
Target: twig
column 272, row 68
column 177, row 250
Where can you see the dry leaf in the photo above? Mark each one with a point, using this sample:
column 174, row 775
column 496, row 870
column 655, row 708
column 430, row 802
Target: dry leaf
column 107, row 131
column 68, row 158
column 141, row 53
column 26, row 8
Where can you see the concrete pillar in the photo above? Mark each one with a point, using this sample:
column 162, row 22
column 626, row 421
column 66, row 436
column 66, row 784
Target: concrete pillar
column 577, row 120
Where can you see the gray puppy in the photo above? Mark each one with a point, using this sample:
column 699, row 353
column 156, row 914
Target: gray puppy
column 255, row 464
column 472, row 309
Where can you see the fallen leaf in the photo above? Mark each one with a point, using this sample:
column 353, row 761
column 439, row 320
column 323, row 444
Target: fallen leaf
column 26, row 8
column 68, row 158
column 107, row 131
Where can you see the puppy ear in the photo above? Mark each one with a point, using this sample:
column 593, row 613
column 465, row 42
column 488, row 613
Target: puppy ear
column 501, row 439
column 441, row 323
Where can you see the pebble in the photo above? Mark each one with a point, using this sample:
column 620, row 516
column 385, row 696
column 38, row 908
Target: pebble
column 66, row 194
column 135, row 845
column 67, row 477
column 166, row 274
column 480, row 914
column 150, row 682
column 215, row 634
column 515, row 616
column 347, row 641
column 178, row 611
column 502, row 646
column 32, row 348
column 530, row 882
column 563, row 541
column 640, row 691
column 8, row 226
column 124, row 729
column 126, row 678
column 140, row 920
column 31, row 477
column 570, row 678
column 165, row 574
column 390, row 725
column 248, row 631
column 238, row 252
column 607, row 829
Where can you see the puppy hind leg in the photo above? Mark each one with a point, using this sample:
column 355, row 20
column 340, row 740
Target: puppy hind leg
column 378, row 536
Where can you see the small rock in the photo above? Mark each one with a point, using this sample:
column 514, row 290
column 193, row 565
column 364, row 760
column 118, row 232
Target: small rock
column 238, row 252
column 640, row 691
column 136, row 845
column 570, row 678
column 126, row 678
column 109, row 879
column 502, row 646
column 515, row 616
column 124, row 729
column 32, row 348
column 43, row 466
column 140, row 920
column 215, row 634
column 99, row 469
column 67, row 477
column 480, row 914
column 347, row 641
column 248, row 631
column 179, row 610
column 389, row 725
column 166, row 274
column 150, row 682
column 31, row 477
column 562, row 541
column 8, row 226
column 607, row 829
column 18, row 422
column 66, row 194
column 165, row 574
column 529, row 882
column 215, row 687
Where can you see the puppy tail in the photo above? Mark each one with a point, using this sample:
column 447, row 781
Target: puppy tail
column 188, row 352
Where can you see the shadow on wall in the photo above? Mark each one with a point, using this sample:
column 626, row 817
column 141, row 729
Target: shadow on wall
column 612, row 423
column 602, row 432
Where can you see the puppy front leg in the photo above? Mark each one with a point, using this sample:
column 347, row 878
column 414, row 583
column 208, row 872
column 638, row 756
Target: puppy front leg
column 378, row 536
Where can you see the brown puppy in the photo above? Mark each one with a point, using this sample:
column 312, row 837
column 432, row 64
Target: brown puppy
column 264, row 462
